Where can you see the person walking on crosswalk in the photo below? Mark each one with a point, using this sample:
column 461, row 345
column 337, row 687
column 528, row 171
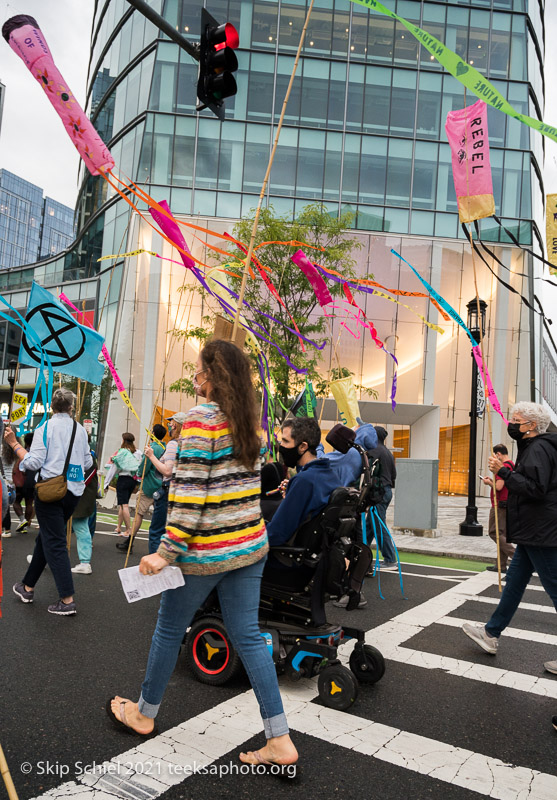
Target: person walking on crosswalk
column 215, row 534
column 531, row 520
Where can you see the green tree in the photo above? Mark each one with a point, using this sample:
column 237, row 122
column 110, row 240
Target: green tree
column 313, row 226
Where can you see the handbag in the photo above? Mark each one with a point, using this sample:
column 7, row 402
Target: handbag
column 54, row 489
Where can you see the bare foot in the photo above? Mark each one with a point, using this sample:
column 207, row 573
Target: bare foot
column 278, row 750
column 131, row 715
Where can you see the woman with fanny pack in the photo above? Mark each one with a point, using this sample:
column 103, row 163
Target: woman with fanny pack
column 60, row 451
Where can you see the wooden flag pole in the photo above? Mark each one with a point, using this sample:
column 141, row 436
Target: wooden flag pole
column 266, row 178
column 5, row 772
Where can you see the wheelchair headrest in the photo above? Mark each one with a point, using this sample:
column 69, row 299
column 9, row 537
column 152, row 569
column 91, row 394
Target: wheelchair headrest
column 341, row 438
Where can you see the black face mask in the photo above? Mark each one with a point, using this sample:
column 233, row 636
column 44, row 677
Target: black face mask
column 290, row 455
column 513, row 429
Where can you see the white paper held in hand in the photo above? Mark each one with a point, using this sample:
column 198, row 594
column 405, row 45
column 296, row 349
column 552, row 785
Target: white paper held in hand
column 137, row 586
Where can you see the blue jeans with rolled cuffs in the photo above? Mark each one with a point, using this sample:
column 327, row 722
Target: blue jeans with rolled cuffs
column 238, row 591
column 526, row 560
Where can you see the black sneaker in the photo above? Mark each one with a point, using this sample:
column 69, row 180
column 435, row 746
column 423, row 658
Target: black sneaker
column 62, row 609
column 123, row 545
column 342, row 602
column 22, row 593
column 493, row 568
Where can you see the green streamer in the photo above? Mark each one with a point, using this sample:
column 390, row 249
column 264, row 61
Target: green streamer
column 462, row 71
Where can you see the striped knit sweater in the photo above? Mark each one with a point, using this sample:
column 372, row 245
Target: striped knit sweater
column 214, row 519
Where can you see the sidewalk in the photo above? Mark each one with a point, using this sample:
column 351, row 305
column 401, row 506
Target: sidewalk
column 450, row 514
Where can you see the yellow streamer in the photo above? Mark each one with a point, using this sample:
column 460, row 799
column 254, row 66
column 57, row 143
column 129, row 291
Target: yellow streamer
column 129, row 255
column 423, row 319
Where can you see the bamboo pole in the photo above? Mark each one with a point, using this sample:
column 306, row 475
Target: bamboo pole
column 5, row 772
column 266, row 178
column 484, row 367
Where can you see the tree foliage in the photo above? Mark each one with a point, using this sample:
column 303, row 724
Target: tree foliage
column 335, row 247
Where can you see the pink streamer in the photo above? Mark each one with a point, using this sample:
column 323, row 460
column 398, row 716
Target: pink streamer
column 171, row 228
column 104, row 351
column 318, row 284
column 491, row 396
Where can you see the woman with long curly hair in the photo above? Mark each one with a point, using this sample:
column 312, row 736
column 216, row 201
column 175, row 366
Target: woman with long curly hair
column 216, row 536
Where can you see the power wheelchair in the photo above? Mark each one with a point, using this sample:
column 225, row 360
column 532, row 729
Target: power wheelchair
column 324, row 559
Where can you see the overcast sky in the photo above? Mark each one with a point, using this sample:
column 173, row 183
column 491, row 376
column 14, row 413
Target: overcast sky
column 34, row 144
column 33, row 141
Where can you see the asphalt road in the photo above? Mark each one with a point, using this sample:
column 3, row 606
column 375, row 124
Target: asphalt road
column 443, row 723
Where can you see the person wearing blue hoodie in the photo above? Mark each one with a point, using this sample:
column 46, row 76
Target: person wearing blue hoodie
column 309, row 491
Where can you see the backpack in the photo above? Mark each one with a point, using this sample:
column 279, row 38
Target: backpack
column 125, row 461
column 375, row 492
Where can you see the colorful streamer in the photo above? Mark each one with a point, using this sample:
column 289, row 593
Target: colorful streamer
column 462, row 71
column 129, row 255
column 468, row 137
column 377, row 340
column 110, row 364
column 318, row 284
column 354, row 285
column 442, row 302
column 492, row 397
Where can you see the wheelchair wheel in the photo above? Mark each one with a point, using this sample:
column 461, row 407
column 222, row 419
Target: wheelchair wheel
column 209, row 652
column 338, row 687
column 367, row 664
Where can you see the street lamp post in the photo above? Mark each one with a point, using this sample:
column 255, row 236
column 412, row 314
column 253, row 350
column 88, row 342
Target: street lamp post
column 471, row 526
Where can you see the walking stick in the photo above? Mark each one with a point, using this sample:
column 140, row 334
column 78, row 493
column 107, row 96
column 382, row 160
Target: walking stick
column 5, row 772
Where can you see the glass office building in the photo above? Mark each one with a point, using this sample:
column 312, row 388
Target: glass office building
column 31, row 227
column 367, row 95
column 363, row 132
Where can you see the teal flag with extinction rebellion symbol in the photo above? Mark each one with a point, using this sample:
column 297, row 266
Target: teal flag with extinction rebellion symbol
column 72, row 348
column 463, row 72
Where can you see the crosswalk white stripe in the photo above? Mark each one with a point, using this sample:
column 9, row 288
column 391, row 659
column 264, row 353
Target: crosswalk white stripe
column 151, row 768
column 493, row 601
column 202, row 740
column 514, row 633
column 447, row 578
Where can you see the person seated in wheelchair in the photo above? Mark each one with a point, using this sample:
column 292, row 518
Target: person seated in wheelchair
column 309, row 491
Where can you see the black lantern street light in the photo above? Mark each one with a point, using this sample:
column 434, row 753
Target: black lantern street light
column 471, row 526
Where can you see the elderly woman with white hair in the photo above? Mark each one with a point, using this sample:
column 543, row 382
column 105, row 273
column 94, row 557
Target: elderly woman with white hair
column 531, row 519
column 60, row 447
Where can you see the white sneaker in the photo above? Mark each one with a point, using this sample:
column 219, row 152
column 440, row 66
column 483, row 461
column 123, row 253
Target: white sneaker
column 85, row 569
column 479, row 635
column 30, row 558
column 6, row 534
column 551, row 666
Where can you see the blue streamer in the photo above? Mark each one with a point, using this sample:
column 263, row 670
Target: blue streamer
column 441, row 300
column 376, row 566
column 382, row 525
column 41, row 385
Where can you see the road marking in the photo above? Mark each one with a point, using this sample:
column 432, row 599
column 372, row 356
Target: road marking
column 514, row 633
column 494, row 601
column 200, row 741
column 390, row 637
column 150, row 769
column 437, row 566
column 449, row 578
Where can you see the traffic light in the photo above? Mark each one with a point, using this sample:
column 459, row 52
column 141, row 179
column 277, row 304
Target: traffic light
column 217, row 62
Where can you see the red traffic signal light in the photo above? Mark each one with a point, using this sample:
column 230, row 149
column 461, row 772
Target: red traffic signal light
column 217, row 62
